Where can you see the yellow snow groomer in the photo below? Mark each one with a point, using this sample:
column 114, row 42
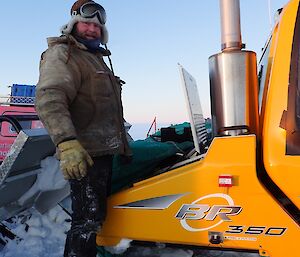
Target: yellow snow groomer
column 243, row 194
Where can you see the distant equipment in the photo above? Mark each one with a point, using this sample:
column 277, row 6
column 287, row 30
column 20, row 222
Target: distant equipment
column 153, row 125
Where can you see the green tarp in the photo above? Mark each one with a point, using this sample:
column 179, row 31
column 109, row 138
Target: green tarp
column 148, row 155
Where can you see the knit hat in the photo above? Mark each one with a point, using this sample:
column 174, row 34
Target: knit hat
column 76, row 17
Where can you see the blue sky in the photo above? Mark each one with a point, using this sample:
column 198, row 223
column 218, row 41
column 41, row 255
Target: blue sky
column 147, row 40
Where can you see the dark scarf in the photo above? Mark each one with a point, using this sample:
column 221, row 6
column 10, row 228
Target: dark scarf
column 92, row 45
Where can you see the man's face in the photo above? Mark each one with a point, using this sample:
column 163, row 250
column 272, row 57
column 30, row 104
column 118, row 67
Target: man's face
column 88, row 30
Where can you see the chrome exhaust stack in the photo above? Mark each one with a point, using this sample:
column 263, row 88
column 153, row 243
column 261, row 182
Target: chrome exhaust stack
column 233, row 79
column 230, row 25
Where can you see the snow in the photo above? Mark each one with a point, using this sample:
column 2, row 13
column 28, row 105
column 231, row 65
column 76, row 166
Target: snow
column 120, row 248
column 160, row 252
column 42, row 235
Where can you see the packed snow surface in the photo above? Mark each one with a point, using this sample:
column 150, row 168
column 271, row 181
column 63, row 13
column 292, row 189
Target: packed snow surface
column 42, row 235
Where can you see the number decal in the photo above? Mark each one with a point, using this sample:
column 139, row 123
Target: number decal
column 235, row 230
column 275, row 231
column 255, row 230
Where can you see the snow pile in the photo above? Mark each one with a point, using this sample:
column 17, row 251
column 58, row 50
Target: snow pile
column 42, row 235
column 160, row 250
column 120, row 248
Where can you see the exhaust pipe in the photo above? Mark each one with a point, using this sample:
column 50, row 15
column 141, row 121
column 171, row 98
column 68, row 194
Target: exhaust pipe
column 230, row 25
column 233, row 79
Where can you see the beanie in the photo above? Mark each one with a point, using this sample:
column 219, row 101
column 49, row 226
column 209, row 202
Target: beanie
column 76, row 17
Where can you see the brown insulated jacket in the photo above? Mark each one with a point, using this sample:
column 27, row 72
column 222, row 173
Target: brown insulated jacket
column 77, row 96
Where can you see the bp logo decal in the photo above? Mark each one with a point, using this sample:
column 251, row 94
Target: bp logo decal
column 189, row 213
column 199, row 211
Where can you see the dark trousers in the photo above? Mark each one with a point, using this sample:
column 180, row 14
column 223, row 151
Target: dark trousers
column 88, row 197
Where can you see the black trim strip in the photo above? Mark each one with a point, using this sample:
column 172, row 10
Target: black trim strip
column 290, row 208
column 292, row 121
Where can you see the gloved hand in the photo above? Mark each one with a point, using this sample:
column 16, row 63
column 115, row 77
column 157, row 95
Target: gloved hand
column 74, row 159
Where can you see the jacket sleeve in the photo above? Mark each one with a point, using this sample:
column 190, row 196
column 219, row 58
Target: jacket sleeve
column 57, row 87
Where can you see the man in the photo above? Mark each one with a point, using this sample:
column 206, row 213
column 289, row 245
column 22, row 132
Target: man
column 78, row 100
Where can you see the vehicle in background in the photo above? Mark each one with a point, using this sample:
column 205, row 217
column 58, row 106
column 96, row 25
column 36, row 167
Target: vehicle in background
column 17, row 113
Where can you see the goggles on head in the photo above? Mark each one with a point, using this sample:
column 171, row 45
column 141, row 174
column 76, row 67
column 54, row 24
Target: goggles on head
column 90, row 10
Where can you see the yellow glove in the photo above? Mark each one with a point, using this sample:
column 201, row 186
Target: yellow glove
column 74, row 159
